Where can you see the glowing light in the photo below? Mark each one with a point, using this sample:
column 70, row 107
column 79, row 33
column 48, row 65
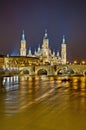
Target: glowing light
column 75, row 62
column 83, row 62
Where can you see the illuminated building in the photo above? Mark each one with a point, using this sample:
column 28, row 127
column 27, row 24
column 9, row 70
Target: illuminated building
column 42, row 56
column 46, row 55
column 23, row 45
column 63, row 51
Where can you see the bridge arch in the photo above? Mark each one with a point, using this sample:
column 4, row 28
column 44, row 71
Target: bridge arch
column 42, row 72
column 27, row 70
column 84, row 72
column 24, row 71
column 64, row 70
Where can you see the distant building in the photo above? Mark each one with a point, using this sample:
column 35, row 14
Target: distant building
column 44, row 53
column 41, row 56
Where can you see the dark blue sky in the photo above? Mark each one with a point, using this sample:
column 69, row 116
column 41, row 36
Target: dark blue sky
column 60, row 17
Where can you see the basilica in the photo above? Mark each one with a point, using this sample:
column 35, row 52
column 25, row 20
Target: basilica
column 44, row 53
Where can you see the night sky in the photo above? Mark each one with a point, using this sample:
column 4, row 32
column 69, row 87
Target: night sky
column 59, row 17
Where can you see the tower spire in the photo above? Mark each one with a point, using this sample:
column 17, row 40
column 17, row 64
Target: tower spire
column 63, row 40
column 23, row 35
column 45, row 36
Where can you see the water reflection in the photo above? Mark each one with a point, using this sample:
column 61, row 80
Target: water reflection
column 10, row 83
column 51, row 99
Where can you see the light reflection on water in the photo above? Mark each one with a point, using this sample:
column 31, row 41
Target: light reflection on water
column 44, row 103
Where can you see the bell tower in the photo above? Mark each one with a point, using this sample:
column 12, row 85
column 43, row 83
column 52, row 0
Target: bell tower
column 45, row 41
column 45, row 46
column 63, row 51
column 23, row 45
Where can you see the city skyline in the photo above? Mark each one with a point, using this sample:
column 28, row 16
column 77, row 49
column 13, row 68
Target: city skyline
column 59, row 17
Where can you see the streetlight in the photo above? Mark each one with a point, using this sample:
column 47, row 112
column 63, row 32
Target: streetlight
column 75, row 62
column 83, row 62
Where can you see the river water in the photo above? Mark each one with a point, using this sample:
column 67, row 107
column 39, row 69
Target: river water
column 43, row 103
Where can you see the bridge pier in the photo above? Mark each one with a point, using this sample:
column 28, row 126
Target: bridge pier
column 51, row 71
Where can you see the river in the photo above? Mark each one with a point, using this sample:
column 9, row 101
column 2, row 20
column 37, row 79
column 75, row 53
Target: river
column 43, row 103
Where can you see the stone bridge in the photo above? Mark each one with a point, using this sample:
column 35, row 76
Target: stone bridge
column 78, row 68
column 53, row 70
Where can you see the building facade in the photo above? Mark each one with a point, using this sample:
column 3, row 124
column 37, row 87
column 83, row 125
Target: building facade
column 44, row 53
column 41, row 56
